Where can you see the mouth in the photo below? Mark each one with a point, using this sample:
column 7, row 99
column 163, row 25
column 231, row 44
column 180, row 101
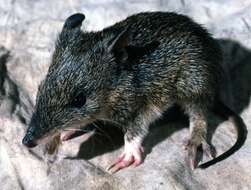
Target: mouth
column 67, row 135
column 30, row 141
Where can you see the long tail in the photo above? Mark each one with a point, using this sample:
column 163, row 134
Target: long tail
column 225, row 112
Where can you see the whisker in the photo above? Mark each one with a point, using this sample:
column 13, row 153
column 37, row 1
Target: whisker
column 76, row 129
column 73, row 129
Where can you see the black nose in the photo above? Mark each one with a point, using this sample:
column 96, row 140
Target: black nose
column 28, row 141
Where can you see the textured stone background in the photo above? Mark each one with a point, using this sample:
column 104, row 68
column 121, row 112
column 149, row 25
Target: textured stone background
column 28, row 30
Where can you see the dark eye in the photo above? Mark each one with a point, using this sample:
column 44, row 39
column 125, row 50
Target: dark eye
column 78, row 101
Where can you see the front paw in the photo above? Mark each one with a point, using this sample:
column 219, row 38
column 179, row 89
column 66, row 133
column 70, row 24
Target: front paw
column 132, row 155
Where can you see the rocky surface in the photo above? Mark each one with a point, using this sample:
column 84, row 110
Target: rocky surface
column 28, row 30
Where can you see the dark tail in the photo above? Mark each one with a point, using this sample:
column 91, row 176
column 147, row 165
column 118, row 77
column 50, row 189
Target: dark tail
column 225, row 112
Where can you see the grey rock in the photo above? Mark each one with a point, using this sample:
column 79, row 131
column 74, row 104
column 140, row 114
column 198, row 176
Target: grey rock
column 28, row 30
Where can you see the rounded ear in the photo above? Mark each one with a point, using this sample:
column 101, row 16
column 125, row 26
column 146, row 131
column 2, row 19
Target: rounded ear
column 118, row 44
column 74, row 21
column 125, row 53
column 71, row 30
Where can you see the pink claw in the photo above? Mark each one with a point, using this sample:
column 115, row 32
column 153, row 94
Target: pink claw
column 131, row 156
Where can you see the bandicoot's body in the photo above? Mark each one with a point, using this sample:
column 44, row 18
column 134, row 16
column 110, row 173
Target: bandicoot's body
column 129, row 74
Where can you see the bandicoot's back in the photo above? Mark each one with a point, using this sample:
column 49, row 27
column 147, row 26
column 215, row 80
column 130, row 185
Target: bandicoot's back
column 181, row 55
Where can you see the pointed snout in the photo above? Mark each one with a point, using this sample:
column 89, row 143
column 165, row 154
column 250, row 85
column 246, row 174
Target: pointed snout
column 28, row 141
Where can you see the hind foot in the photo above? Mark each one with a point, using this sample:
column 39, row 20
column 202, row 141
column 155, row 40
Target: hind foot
column 192, row 146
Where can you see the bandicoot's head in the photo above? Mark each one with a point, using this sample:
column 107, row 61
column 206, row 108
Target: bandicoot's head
column 73, row 92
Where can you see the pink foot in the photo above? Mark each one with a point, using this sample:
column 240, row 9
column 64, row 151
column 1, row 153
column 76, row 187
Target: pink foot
column 132, row 155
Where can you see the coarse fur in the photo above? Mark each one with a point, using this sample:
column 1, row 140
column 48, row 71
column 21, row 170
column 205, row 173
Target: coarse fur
column 129, row 74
